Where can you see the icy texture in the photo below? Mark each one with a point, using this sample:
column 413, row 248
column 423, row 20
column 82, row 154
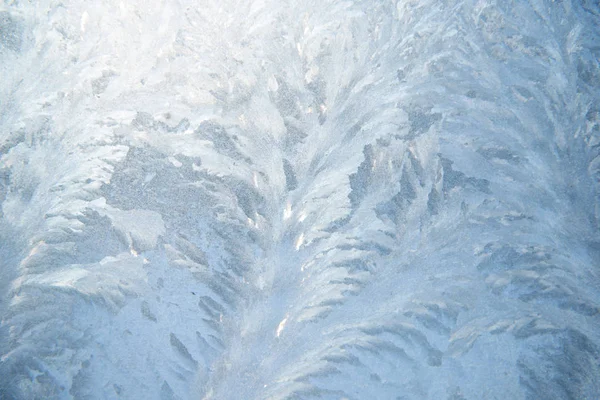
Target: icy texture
column 299, row 199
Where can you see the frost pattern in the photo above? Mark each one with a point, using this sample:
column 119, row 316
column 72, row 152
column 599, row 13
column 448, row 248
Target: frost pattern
column 300, row 199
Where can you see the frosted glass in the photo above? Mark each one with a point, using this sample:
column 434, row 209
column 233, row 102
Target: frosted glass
column 299, row 199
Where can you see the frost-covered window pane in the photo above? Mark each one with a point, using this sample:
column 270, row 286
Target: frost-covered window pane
column 294, row 199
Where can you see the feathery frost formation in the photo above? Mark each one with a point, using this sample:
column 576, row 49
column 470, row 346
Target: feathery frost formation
column 299, row 199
